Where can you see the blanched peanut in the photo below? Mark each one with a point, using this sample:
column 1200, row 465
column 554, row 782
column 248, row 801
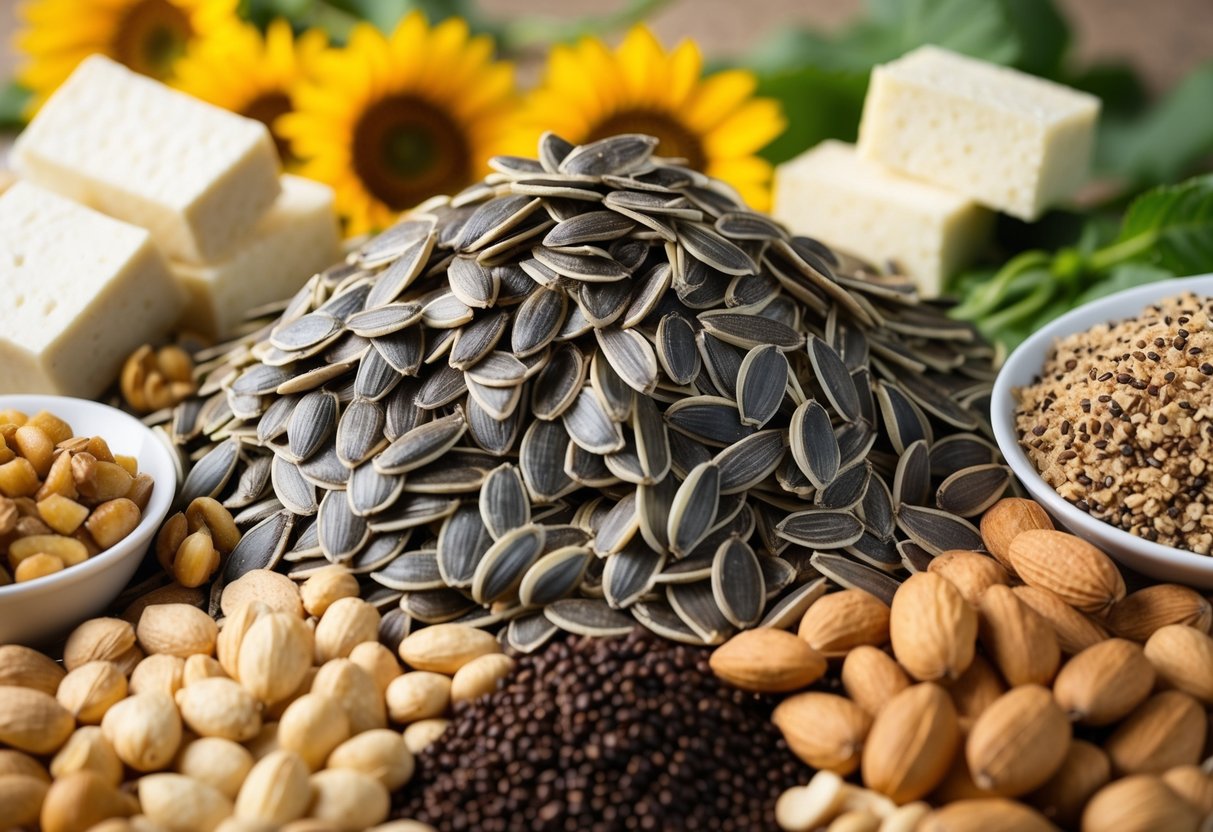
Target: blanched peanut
column 18, row 478
column 61, row 514
column 66, row 549
column 33, row 444
column 113, row 520
column 37, row 566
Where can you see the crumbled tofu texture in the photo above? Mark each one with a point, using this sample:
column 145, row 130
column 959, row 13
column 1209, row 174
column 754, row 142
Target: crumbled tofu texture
column 80, row 291
column 1121, row 423
column 859, row 207
column 196, row 176
column 296, row 239
column 1009, row 140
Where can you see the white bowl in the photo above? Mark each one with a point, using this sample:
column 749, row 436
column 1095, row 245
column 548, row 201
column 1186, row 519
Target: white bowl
column 1024, row 364
column 41, row 610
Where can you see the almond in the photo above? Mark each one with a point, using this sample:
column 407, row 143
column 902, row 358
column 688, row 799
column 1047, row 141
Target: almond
column 766, row 660
column 1003, row 522
column 975, row 690
column 1168, row 730
column 1018, row 742
column 80, row 801
column 98, row 639
column 1018, row 638
column 1104, row 683
column 1183, row 656
column 1139, row 804
column 958, row 784
column 1193, row 784
column 871, row 678
column 274, row 656
column 970, row 572
column 33, row 721
column 824, row 730
column 933, row 628
column 21, row 799
column 444, row 648
column 1085, row 770
column 911, row 744
column 1080, row 574
column 25, row 668
column 987, row 814
column 841, row 620
column 1075, row 631
column 1144, row 611
column 176, row 629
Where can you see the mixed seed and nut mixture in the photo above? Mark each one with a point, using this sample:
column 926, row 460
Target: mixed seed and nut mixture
column 153, row 379
column 1121, row 423
column 590, row 391
column 1020, row 688
column 65, row 498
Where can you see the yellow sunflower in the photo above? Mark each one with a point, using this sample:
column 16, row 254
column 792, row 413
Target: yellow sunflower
column 392, row 120
column 589, row 92
column 146, row 35
column 241, row 71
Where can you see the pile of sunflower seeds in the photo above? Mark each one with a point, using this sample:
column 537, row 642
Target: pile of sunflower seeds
column 590, row 390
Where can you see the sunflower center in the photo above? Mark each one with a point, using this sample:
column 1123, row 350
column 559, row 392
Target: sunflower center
column 150, row 36
column 266, row 108
column 407, row 149
column 675, row 138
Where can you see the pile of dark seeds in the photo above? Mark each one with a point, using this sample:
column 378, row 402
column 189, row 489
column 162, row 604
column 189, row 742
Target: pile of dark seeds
column 606, row 734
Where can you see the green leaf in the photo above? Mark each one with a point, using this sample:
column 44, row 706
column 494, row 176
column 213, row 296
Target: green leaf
column 1168, row 140
column 1170, row 227
column 1042, row 34
column 1125, row 276
column 13, row 99
column 818, row 105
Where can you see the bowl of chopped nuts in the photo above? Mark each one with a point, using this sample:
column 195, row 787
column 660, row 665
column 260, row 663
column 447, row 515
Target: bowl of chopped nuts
column 83, row 489
column 1105, row 415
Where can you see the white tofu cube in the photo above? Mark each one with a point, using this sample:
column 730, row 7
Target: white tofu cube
column 196, row 176
column 1009, row 140
column 79, row 291
column 863, row 209
column 295, row 239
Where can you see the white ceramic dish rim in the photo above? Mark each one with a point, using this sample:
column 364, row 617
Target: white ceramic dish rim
column 157, row 507
column 1015, row 374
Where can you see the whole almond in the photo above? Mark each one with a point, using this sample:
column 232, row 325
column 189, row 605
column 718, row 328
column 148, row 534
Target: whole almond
column 987, row 814
column 276, row 789
column 957, row 784
column 275, row 590
column 33, row 721
column 21, row 799
column 766, row 660
column 825, row 730
column 159, row 673
column 98, row 639
column 1003, row 522
column 1183, row 657
column 274, row 656
column 354, row 690
column 145, row 730
column 871, row 678
column 1085, row 770
column 841, row 620
column 221, row 764
column 976, row 689
column 1104, row 683
column 933, row 628
column 312, row 726
column 444, row 648
column 1142, row 803
column 380, row 753
column 1193, row 784
column 178, row 802
column 231, row 635
column 88, row 750
column 220, row 707
column 1075, row 631
column 176, row 629
column 1020, row 641
column 345, row 624
column 89, row 691
column 80, row 801
column 1144, row 611
column 1167, row 730
column 911, row 744
column 25, row 668
column 970, row 572
column 1080, row 574
column 18, row 762
column 1018, row 742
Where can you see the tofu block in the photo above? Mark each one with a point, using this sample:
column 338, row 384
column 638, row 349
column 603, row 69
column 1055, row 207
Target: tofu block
column 196, row 176
column 859, row 207
column 1011, row 141
column 79, row 291
column 295, row 239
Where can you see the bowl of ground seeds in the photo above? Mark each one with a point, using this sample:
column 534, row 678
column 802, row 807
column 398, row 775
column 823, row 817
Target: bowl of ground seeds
column 1106, row 417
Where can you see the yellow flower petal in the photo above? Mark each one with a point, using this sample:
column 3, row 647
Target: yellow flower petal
column 749, row 129
column 718, row 96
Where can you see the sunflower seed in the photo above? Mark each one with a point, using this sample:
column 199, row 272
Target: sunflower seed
column 421, row 445
column 440, row 389
column 616, row 396
column 384, row 320
column 615, row 155
column 292, row 490
column 541, row 460
column 370, row 492
column 660, row 619
column 462, row 542
column 694, row 508
column 401, row 273
column 211, row 474
column 630, row 356
column 737, row 583
column 821, row 528
column 676, row 349
column 589, row 425
column 274, row 421
column 847, row 489
column 411, row 571
column 834, row 378
column 251, row 485
column 711, row 420
column 750, row 331
column 912, row 480
column 558, row 384
column 876, row 509
column 360, row 432
column 588, row 617
column 958, row 451
column 618, row 527
column 761, row 383
column 436, row 606
column 711, row 249
column 788, row 610
column 853, row 575
column 904, row 422
column 970, row 491
column 309, row 331
column 503, row 501
column 937, row 531
column 629, row 574
column 580, row 267
column 695, row 604
column 342, row 533
column 325, row 470
column 391, row 244
column 498, row 369
column 411, row 511
column 749, row 461
column 747, row 225
column 490, row 433
column 260, row 547
column 913, row 557
column 527, row 633
column 814, row 445
column 313, row 421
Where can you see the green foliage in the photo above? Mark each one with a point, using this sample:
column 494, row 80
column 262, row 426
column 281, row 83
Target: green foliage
column 1172, row 227
column 819, row 104
column 13, row 99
